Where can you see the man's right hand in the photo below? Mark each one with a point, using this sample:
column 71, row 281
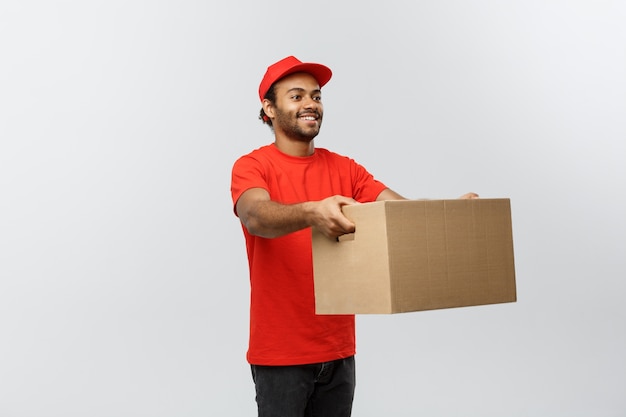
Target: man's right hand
column 328, row 218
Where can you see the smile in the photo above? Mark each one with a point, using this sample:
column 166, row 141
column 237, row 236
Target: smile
column 309, row 117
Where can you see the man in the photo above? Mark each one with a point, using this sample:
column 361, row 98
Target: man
column 302, row 364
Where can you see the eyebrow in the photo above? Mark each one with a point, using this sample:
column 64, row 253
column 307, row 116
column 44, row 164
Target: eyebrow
column 299, row 89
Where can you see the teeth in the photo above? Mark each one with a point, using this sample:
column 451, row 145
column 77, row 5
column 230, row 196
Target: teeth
column 309, row 118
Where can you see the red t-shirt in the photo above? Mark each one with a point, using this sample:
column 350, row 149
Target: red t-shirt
column 284, row 329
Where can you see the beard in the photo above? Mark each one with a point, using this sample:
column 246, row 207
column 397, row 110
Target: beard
column 290, row 125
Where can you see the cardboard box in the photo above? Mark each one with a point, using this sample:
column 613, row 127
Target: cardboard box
column 417, row 255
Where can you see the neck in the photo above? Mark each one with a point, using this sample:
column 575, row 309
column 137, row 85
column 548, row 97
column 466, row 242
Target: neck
column 294, row 147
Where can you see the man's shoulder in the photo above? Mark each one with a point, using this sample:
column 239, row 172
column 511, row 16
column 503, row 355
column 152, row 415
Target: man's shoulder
column 263, row 150
column 257, row 154
column 328, row 154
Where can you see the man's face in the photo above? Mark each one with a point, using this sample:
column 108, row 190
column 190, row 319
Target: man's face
column 298, row 110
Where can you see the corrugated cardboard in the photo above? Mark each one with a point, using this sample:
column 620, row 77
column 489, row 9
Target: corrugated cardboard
column 417, row 255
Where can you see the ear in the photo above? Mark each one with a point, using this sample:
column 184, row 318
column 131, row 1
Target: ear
column 268, row 108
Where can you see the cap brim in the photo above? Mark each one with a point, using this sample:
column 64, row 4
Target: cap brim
column 320, row 72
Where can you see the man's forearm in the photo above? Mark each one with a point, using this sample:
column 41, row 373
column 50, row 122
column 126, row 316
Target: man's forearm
column 271, row 219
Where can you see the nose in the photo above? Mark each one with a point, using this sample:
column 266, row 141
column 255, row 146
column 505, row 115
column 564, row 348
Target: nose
column 310, row 102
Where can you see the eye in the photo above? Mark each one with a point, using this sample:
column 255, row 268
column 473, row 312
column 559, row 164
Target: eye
column 317, row 98
column 296, row 97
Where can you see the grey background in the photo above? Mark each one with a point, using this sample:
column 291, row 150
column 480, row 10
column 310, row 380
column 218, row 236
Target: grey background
column 123, row 280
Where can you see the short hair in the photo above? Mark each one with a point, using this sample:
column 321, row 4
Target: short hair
column 271, row 96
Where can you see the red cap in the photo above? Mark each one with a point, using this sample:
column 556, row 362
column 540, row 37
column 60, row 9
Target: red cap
column 288, row 66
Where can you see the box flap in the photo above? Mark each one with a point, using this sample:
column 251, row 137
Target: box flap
column 345, row 276
column 450, row 253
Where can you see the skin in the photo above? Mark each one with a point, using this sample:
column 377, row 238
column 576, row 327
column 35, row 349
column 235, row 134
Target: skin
column 297, row 118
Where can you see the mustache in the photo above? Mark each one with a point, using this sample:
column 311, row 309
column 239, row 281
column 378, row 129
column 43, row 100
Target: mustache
column 309, row 113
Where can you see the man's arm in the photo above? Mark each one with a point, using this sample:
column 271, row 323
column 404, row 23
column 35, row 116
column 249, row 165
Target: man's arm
column 266, row 218
column 388, row 194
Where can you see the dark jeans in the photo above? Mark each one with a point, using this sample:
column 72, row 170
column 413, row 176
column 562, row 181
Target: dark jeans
column 317, row 390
